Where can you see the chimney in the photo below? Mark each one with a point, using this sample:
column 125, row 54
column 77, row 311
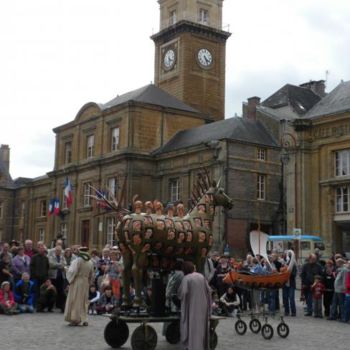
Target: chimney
column 250, row 109
column 318, row 87
column 5, row 156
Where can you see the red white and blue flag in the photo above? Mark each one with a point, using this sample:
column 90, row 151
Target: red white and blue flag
column 56, row 209
column 51, row 207
column 68, row 192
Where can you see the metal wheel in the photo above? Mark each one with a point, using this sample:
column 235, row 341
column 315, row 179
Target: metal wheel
column 283, row 330
column 267, row 331
column 116, row 333
column 255, row 325
column 172, row 333
column 213, row 340
column 144, row 338
column 240, row 327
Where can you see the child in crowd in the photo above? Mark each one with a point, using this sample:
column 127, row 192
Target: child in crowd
column 229, row 301
column 24, row 294
column 317, row 292
column 8, row 305
column 94, row 296
column 107, row 302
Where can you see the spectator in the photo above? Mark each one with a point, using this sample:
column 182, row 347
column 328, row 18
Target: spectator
column 47, row 297
column 94, row 296
column 5, row 269
column 39, row 270
column 222, row 269
column 317, row 292
column 20, row 264
column 113, row 272
column 28, row 248
column 6, row 251
column 8, row 305
column 229, row 302
column 309, row 270
column 337, row 307
column 172, row 287
column 347, row 294
column 24, row 293
column 107, row 302
column 288, row 292
column 328, row 278
column 57, row 275
column 68, row 256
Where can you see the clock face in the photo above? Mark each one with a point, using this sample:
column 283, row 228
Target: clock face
column 205, row 58
column 169, row 59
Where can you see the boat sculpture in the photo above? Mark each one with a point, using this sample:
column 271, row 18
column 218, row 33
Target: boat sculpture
column 251, row 280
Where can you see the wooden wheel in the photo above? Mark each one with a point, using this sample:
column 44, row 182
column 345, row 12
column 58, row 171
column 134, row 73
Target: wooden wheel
column 172, row 333
column 144, row 338
column 116, row 333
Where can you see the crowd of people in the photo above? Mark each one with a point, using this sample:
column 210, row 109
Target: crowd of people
column 38, row 279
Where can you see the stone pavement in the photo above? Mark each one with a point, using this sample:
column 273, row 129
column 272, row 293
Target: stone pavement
column 49, row 332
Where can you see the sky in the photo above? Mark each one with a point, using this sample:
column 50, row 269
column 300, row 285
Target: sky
column 58, row 55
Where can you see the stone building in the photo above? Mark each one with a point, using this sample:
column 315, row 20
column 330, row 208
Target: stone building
column 155, row 139
column 313, row 131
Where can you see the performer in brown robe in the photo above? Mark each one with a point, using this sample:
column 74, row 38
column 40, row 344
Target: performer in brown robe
column 80, row 276
column 195, row 296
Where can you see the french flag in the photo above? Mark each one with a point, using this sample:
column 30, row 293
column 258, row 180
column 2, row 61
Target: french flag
column 56, row 209
column 68, row 192
column 51, row 207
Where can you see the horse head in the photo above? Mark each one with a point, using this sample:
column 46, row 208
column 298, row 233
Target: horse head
column 220, row 198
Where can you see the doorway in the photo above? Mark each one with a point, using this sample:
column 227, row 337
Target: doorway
column 85, row 233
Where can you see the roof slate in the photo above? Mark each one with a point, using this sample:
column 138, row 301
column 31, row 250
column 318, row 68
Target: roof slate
column 236, row 128
column 150, row 94
column 299, row 98
column 337, row 101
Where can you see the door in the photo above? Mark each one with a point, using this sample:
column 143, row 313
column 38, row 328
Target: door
column 85, row 233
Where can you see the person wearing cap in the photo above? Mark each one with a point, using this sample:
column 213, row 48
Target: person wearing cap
column 8, row 305
column 80, row 276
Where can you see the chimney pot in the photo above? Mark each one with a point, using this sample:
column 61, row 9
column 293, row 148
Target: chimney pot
column 5, row 156
column 253, row 102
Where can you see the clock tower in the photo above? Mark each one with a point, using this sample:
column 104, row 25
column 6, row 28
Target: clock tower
column 190, row 54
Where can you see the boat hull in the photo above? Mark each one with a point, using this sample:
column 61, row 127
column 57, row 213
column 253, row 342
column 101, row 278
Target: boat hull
column 273, row 280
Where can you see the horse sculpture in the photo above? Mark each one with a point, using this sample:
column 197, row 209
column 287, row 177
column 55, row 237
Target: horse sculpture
column 155, row 239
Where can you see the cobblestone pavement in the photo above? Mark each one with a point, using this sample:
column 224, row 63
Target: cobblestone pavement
column 49, row 332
